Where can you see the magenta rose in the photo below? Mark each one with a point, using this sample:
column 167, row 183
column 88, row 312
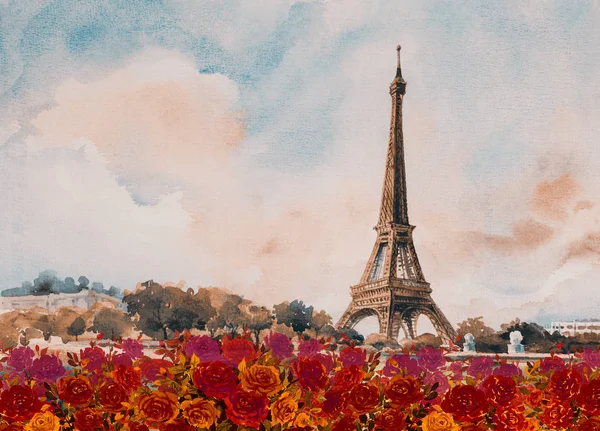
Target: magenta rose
column 204, row 347
column 94, row 356
column 353, row 356
column 592, row 357
column 395, row 364
column 133, row 348
column 440, row 379
column 431, row 358
column 280, row 345
column 553, row 363
column 507, row 370
column 47, row 368
column 122, row 360
column 456, row 368
column 584, row 369
column 20, row 358
column 309, row 348
column 480, row 367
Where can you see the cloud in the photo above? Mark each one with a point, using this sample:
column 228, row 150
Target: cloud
column 551, row 199
column 160, row 124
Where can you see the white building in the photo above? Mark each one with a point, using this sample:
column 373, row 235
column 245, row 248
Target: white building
column 575, row 327
column 84, row 299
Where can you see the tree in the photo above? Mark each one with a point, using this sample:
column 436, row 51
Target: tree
column 47, row 324
column 112, row 323
column 320, row 320
column 231, row 313
column 475, row 326
column 295, row 314
column 113, row 291
column 214, row 324
column 163, row 310
column 259, row 318
column 76, row 328
column 84, row 282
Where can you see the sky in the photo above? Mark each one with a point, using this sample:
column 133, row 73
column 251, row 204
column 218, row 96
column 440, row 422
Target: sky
column 241, row 144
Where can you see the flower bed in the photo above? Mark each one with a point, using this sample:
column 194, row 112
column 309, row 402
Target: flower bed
column 199, row 383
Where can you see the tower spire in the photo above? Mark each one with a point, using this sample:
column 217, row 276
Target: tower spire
column 393, row 198
column 398, row 67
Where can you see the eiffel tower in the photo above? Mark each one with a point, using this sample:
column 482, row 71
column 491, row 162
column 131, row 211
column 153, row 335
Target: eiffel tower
column 392, row 286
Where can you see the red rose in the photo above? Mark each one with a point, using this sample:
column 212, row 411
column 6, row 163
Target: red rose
column 177, row 425
column 390, row 420
column 19, row 403
column 589, row 398
column 215, row 378
column 11, row 427
column 247, row 408
column 535, row 397
column 403, row 391
column 154, row 369
column 564, row 384
column 77, row 391
column 510, row 419
column 500, row 390
column 364, row 398
column 335, row 402
column 237, row 349
column 557, row 414
column 135, row 426
column 591, row 424
column 88, row 420
column 348, row 377
column 129, row 378
column 347, row 423
column 112, row 396
column 311, row 373
column 465, row 403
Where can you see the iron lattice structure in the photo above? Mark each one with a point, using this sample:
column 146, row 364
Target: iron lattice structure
column 392, row 286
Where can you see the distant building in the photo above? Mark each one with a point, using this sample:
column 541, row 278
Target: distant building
column 574, row 327
column 54, row 301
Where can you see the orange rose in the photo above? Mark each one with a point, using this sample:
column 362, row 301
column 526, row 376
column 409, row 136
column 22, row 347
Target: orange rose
column 284, row 409
column 157, row 407
column 403, row 391
column 112, row 396
column 46, row 421
column 262, row 379
column 200, row 413
column 302, row 420
column 77, row 391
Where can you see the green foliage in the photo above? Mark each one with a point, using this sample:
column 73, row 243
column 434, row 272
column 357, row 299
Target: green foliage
column 161, row 311
column 76, row 328
column 296, row 315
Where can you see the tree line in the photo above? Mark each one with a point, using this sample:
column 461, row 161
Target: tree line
column 48, row 283
column 159, row 312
